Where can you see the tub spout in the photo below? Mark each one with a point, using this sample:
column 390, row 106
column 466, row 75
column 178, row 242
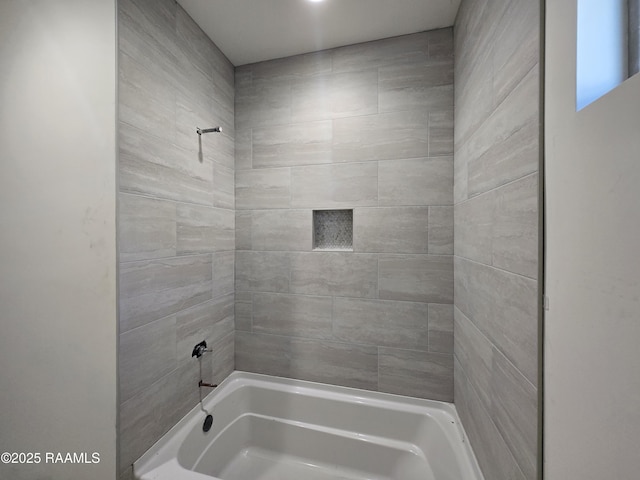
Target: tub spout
column 205, row 384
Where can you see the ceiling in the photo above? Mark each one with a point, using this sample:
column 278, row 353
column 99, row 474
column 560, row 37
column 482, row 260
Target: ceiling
column 249, row 31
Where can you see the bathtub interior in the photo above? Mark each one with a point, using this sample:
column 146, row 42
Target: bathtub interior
column 269, row 428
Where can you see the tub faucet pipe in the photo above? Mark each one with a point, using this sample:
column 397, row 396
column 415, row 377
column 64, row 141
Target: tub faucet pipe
column 197, row 352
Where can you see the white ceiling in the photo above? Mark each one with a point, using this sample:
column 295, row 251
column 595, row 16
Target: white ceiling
column 249, row 31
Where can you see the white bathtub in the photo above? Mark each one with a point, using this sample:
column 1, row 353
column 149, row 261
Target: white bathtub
column 269, row 428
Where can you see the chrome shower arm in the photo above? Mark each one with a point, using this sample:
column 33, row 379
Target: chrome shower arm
column 200, row 131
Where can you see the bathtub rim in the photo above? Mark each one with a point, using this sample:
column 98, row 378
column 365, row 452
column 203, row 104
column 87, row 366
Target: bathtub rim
column 444, row 413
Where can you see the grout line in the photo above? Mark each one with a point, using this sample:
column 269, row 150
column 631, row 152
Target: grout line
column 378, row 277
column 252, row 303
column 484, row 409
column 320, row 164
column 495, row 268
column 333, row 296
column 336, row 207
column 179, row 312
column 164, row 199
column 345, row 343
column 472, row 133
column 174, row 257
column 342, row 252
column 494, row 346
column 492, row 190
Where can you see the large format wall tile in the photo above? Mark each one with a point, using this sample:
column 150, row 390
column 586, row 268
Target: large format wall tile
column 176, row 218
column 224, row 148
column 315, row 360
column 512, row 324
column 289, row 230
column 244, row 316
column 204, row 55
column 152, row 166
column 395, row 230
column 263, row 103
column 489, row 447
column 473, row 94
column 366, row 127
column 223, row 273
column 382, row 136
column 515, row 413
column 323, row 97
column 223, row 357
column 223, row 187
column 418, row 278
column 440, row 44
column 475, row 351
column 417, row 181
column 508, row 119
column 150, row 414
column 243, row 229
column 148, row 353
column 474, row 226
column 299, row 66
column 441, row 328
column 146, row 228
column 503, row 162
column 460, row 177
column 209, row 321
column 311, row 98
column 331, row 273
column 263, row 188
column 441, row 133
column 381, row 322
column 148, row 37
column 496, row 143
column 427, row 87
column 441, row 228
column 146, row 100
column 516, row 46
column 292, row 315
column 334, row 186
column 418, row 374
column 243, row 150
column 153, row 289
column 262, row 271
column 288, row 145
column 500, row 227
column 515, row 244
column 404, row 50
column 354, row 93
column 192, row 113
column 204, row 229
column 145, row 418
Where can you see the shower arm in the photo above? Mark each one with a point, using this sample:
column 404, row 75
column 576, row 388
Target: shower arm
column 200, row 131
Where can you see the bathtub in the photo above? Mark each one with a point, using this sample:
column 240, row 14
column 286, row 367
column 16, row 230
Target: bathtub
column 269, row 428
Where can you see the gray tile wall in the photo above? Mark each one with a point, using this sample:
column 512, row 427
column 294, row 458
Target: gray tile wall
column 176, row 218
column 367, row 127
column 496, row 232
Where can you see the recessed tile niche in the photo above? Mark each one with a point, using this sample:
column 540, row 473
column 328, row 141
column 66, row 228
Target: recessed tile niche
column 333, row 230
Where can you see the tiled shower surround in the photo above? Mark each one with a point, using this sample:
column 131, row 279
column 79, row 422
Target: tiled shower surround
column 496, row 232
column 367, row 127
column 216, row 233
column 176, row 218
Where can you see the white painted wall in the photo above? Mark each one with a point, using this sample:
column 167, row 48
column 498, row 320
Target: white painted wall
column 592, row 338
column 57, row 234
